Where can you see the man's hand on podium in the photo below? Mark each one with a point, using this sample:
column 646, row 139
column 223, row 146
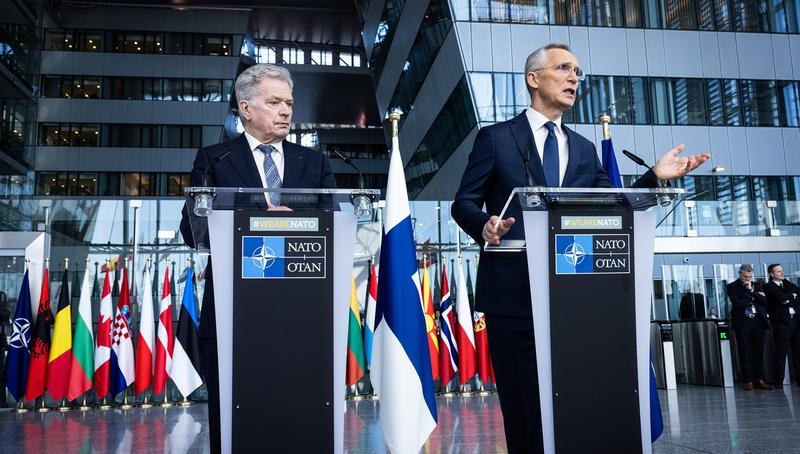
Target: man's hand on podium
column 495, row 228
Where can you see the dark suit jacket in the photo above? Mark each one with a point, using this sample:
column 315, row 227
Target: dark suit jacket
column 741, row 300
column 303, row 168
column 495, row 167
column 779, row 312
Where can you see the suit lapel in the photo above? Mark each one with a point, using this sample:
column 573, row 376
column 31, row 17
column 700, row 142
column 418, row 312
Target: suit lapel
column 572, row 162
column 523, row 136
column 244, row 164
column 293, row 165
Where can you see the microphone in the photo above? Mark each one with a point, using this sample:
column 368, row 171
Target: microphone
column 636, row 159
column 204, row 201
column 348, row 161
column 362, row 201
column 526, row 156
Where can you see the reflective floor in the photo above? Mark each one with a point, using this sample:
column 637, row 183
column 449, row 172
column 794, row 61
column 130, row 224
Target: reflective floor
column 697, row 420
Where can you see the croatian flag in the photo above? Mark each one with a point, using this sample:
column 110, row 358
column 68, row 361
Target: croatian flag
column 401, row 362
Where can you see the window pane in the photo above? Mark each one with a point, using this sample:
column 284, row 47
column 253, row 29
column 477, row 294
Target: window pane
column 213, row 45
column 94, row 41
column 504, row 96
column 227, row 89
column 529, row 11
column 174, row 43
column 108, row 184
column 130, row 184
column 134, row 42
column 87, row 184
column 680, row 14
column 54, row 39
column 117, row 88
column 722, row 12
column 633, row 13
column 132, row 88
column 716, row 109
column 51, row 86
column 788, row 102
column 172, row 136
column 89, row 135
column 173, row 89
column 610, row 95
column 212, row 90
column 521, row 96
column 49, row 135
column 688, row 101
column 705, row 14
column 733, row 105
column 130, row 136
column 582, row 109
column 46, row 183
column 639, row 98
column 759, row 103
column 483, row 93
column 659, row 101
column 750, row 16
column 77, row 88
column 770, row 188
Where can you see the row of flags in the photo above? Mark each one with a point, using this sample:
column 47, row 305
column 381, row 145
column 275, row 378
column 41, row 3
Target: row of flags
column 457, row 340
column 77, row 360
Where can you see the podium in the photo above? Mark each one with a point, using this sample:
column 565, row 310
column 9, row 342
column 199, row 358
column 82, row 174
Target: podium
column 591, row 297
column 281, row 290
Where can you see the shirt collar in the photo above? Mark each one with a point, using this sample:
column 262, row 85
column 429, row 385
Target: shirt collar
column 255, row 143
column 537, row 120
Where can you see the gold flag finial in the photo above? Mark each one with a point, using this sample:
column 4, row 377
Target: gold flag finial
column 394, row 117
column 604, row 121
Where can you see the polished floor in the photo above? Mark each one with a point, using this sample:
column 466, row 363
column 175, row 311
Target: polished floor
column 697, row 420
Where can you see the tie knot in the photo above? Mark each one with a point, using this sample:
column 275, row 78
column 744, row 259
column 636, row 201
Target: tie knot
column 266, row 148
column 550, row 126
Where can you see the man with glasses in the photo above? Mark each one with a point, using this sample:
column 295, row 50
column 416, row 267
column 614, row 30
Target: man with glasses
column 555, row 156
column 749, row 314
column 784, row 315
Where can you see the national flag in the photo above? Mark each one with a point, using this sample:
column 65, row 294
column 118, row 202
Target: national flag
column 369, row 323
column 401, row 369
column 656, row 420
column 61, row 349
column 166, row 340
column 19, row 352
column 186, row 366
column 40, row 343
column 122, row 358
column 146, row 340
column 355, row 347
column 465, row 336
column 610, row 163
column 448, row 351
column 102, row 353
column 481, row 345
column 81, row 372
column 430, row 321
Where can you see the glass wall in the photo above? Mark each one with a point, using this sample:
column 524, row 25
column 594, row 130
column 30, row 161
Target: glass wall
column 142, row 42
column 121, row 135
column 136, row 88
column 775, row 16
column 651, row 100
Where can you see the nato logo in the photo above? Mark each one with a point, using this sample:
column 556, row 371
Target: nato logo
column 282, row 257
column 587, row 254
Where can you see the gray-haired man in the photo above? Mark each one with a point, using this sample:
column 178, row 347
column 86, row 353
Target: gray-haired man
column 259, row 158
column 749, row 315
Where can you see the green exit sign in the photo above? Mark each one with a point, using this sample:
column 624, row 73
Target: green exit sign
column 723, row 336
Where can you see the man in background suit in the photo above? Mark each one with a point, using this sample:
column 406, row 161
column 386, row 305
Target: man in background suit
column 558, row 157
column 749, row 313
column 259, row 158
column 784, row 315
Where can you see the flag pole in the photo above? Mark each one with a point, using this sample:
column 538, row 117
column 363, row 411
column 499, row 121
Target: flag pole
column 166, row 403
column 145, row 403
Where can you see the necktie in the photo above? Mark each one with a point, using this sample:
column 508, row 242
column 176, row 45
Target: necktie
column 272, row 176
column 550, row 156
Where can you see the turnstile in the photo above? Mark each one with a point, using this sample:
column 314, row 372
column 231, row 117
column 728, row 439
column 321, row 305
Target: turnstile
column 662, row 346
column 703, row 353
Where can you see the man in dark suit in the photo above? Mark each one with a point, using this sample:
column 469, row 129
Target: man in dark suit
column 749, row 314
column 558, row 157
column 784, row 315
column 259, row 158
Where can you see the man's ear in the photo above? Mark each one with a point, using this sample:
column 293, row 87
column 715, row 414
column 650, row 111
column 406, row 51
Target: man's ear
column 244, row 109
column 532, row 80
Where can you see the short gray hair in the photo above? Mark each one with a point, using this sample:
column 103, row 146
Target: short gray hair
column 745, row 268
column 537, row 59
column 248, row 81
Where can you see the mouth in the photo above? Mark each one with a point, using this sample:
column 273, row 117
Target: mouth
column 569, row 92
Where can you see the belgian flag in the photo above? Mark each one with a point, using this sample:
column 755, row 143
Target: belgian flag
column 61, row 349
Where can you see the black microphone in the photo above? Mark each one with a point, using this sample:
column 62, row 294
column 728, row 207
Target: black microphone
column 526, row 156
column 348, row 161
column 204, row 179
column 636, row 159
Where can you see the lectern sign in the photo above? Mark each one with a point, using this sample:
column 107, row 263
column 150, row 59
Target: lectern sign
column 592, row 254
column 283, row 257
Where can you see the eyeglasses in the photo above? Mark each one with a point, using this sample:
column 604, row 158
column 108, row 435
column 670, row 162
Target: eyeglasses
column 565, row 68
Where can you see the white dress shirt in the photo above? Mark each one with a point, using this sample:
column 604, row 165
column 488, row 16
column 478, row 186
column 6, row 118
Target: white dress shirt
column 537, row 123
column 258, row 157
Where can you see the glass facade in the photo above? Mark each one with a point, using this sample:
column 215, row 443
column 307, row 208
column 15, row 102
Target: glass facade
column 295, row 53
column 139, row 42
column 651, row 100
column 121, row 135
column 772, row 16
column 136, row 88
column 111, row 184
column 383, row 38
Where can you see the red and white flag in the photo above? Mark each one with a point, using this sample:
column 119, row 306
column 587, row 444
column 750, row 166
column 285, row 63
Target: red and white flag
column 102, row 353
column 166, row 340
column 146, row 340
column 465, row 336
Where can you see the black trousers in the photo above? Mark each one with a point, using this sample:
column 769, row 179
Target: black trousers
column 208, row 348
column 786, row 336
column 750, row 342
column 513, row 351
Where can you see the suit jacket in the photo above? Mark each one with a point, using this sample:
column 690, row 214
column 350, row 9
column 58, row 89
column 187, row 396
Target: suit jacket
column 742, row 299
column 494, row 168
column 303, row 168
column 779, row 312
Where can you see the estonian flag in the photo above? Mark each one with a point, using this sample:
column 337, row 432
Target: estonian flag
column 401, row 362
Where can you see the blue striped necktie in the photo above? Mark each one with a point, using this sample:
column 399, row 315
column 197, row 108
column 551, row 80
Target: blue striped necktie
column 550, row 157
column 272, row 176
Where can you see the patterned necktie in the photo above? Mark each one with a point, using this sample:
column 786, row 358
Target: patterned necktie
column 272, row 176
column 550, row 156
